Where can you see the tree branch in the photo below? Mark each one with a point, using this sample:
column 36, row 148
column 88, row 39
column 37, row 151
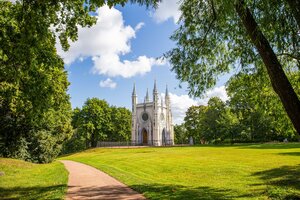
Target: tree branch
column 290, row 55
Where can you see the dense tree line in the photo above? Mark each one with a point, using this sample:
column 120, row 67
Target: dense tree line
column 97, row 121
column 35, row 110
column 252, row 114
column 214, row 37
column 218, row 36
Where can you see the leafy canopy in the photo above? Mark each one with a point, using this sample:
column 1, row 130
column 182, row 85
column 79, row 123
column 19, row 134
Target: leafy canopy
column 211, row 40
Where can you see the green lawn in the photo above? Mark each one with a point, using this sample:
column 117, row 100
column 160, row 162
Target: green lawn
column 268, row 171
column 24, row 180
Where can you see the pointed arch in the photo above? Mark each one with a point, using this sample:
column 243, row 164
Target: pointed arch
column 144, row 137
column 164, row 137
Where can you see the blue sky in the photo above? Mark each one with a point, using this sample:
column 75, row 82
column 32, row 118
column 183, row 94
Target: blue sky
column 121, row 49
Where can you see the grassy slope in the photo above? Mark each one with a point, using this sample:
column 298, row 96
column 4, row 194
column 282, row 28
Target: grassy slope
column 24, row 180
column 204, row 172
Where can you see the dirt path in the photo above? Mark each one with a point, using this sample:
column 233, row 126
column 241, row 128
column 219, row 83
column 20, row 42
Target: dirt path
column 86, row 182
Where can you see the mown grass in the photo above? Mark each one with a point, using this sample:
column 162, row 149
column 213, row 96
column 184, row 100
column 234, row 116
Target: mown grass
column 24, row 180
column 264, row 171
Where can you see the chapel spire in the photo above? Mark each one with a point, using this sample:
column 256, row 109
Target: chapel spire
column 167, row 91
column 155, row 89
column 147, row 96
column 133, row 91
column 167, row 97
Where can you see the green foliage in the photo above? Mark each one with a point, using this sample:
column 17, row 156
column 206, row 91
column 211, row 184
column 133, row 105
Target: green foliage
column 211, row 123
column 203, row 172
column 180, row 134
column 36, row 18
column 212, row 129
column 211, row 40
column 120, row 124
column 97, row 121
column 24, row 180
column 261, row 114
column 249, row 116
column 34, row 108
column 220, row 36
column 193, row 122
column 92, row 121
column 35, row 113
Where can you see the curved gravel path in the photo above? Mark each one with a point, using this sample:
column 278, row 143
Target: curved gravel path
column 86, row 182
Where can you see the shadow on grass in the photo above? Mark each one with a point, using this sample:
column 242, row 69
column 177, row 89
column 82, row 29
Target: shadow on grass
column 112, row 192
column 160, row 191
column 282, row 182
column 272, row 146
column 290, row 154
column 51, row 192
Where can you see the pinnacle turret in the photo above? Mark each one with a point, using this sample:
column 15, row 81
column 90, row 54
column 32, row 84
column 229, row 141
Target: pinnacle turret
column 147, row 96
column 167, row 98
column 167, row 92
column 155, row 89
column 133, row 91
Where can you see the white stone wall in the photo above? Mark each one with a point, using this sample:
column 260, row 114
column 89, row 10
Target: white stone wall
column 159, row 119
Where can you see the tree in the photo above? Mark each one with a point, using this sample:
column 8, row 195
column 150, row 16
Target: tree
column 257, row 106
column 211, row 123
column 192, row 122
column 95, row 120
column 229, row 125
column 180, row 134
column 34, row 106
column 38, row 18
column 213, row 39
column 120, row 124
column 35, row 110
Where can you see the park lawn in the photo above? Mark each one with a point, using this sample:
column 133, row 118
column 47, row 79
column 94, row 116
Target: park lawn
column 262, row 171
column 24, row 180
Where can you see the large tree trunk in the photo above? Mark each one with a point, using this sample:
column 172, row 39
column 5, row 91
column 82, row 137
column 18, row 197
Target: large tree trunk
column 280, row 82
column 295, row 7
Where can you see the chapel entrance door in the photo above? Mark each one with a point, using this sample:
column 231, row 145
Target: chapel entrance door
column 163, row 141
column 145, row 137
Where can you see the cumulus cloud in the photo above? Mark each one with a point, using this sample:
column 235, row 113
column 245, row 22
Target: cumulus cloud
column 217, row 92
column 105, row 42
column 111, row 65
column 180, row 103
column 139, row 26
column 167, row 9
column 108, row 83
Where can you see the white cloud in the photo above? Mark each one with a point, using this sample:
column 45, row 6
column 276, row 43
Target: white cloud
column 217, row 92
column 111, row 65
column 180, row 103
column 105, row 42
column 167, row 9
column 108, row 83
column 139, row 26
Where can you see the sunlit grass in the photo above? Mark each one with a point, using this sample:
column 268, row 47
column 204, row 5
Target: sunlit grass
column 24, row 180
column 266, row 171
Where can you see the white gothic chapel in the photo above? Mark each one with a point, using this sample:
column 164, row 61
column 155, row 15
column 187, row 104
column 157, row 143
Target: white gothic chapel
column 152, row 121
